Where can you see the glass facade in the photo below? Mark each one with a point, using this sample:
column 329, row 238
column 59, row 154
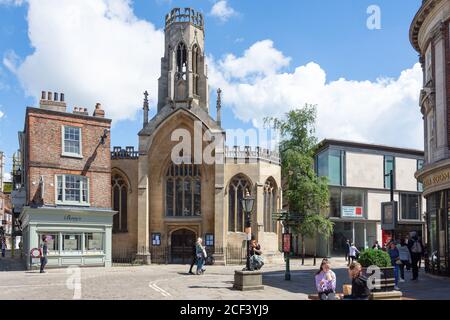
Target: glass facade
column 419, row 167
column 438, row 215
column 409, row 206
column 389, row 164
column 347, row 203
column 331, row 163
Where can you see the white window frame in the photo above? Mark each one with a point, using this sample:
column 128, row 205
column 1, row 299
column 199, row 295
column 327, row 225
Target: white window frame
column 71, row 154
column 74, row 203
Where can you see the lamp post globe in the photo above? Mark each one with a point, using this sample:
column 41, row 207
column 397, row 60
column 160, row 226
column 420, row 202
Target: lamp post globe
column 247, row 205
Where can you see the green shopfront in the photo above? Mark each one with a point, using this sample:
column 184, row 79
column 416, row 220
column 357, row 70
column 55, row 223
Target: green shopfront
column 80, row 237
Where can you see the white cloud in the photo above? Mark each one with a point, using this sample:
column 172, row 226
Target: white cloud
column 261, row 59
column 384, row 111
column 222, row 11
column 93, row 51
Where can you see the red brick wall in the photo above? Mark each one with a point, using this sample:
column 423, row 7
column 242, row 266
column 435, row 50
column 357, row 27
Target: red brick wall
column 44, row 130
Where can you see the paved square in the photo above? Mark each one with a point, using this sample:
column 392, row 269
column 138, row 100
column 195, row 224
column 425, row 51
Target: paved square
column 173, row 282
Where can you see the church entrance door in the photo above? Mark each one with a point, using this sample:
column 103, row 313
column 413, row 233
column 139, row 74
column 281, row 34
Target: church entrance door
column 182, row 243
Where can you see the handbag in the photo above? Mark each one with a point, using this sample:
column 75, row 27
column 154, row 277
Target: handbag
column 398, row 261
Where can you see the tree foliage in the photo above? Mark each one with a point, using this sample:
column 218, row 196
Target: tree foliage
column 305, row 192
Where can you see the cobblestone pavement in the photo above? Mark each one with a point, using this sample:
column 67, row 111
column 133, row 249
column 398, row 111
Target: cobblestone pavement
column 173, row 282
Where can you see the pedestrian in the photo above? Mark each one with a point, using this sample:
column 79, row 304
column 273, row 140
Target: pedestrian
column 405, row 258
column 3, row 247
column 376, row 246
column 326, row 281
column 21, row 248
column 416, row 249
column 423, row 252
column 394, row 254
column 201, row 256
column 256, row 260
column 44, row 253
column 194, row 258
column 360, row 290
column 347, row 250
column 353, row 252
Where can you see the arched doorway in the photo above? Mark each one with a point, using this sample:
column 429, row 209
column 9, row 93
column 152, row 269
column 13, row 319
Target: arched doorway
column 181, row 246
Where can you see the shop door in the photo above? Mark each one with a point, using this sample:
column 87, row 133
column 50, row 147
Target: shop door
column 181, row 248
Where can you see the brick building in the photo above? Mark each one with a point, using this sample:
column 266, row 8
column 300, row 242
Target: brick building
column 66, row 174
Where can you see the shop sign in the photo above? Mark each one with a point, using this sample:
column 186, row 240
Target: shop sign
column 352, row 212
column 389, row 212
column 436, row 179
column 71, row 218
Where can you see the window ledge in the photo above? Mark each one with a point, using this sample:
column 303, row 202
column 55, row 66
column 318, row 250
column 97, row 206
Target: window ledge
column 71, row 155
column 78, row 204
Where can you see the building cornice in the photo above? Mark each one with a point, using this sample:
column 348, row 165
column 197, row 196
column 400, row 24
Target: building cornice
column 419, row 19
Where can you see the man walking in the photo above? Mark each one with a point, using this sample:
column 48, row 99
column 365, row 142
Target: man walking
column 194, row 258
column 347, row 251
column 416, row 248
column 44, row 252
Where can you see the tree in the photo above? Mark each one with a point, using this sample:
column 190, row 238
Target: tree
column 305, row 192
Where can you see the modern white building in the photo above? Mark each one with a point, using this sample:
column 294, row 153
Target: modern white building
column 359, row 182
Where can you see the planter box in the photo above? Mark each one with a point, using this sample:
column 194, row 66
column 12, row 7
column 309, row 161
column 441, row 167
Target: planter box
column 248, row 280
column 387, row 279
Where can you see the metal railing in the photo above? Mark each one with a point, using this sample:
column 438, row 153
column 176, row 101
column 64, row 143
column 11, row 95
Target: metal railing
column 168, row 255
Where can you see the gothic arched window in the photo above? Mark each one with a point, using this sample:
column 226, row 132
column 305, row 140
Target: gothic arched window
column 120, row 197
column 195, row 62
column 183, row 190
column 270, row 205
column 181, row 61
column 239, row 185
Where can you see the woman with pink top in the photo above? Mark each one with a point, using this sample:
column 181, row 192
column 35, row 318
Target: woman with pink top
column 326, row 281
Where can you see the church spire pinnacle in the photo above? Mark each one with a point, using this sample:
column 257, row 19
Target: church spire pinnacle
column 146, row 108
column 219, row 107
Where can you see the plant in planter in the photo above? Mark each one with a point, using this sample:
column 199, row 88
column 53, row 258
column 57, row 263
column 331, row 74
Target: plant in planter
column 381, row 259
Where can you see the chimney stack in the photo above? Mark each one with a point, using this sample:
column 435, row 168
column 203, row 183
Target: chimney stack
column 99, row 112
column 52, row 101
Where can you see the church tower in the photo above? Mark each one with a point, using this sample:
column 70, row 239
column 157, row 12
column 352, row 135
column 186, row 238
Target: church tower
column 183, row 81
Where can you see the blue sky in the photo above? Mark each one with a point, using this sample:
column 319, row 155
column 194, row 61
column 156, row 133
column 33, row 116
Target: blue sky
column 323, row 44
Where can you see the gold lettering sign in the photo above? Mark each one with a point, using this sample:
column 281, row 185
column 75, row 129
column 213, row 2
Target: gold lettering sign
column 437, row 179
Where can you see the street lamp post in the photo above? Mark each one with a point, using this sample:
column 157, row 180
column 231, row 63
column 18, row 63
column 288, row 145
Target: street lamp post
column 247, row 204
column 391, row 182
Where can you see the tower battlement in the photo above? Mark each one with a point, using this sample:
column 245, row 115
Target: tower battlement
column 183, row 15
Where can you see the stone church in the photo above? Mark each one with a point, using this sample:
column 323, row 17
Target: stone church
column 163, row 203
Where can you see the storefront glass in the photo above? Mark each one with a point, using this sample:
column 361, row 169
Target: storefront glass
column 52, row 241
column 409, row 206
column 432, row 230
column 343, row 231
column 335, row 202
column 71, row 242
column 93, row 242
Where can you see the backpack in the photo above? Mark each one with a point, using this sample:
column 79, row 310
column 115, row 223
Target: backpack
column 416, row 247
